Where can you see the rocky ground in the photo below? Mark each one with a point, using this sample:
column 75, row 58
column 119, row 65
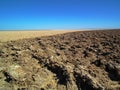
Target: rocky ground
column 83, row 60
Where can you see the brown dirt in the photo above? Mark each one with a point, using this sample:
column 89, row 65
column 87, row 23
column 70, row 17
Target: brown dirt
column 85, row 60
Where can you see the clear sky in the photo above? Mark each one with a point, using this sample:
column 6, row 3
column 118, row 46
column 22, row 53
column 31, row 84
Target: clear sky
column 59, row 14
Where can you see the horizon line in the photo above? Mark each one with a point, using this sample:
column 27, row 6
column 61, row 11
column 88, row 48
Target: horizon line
column 59, row 29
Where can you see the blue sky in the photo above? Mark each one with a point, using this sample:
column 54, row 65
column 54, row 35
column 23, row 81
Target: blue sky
column 59, row 14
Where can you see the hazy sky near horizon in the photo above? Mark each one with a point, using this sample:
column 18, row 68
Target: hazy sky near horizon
column 59, row 14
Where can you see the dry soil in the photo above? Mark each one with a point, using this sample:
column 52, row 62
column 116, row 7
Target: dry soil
column 82, row 60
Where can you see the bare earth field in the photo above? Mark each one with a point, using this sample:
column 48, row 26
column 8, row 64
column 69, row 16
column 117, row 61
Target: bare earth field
column 15, row 35
column 81, row 60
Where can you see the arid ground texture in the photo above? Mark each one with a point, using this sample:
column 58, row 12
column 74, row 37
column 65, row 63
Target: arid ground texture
column 15, row 35
column 80, row 60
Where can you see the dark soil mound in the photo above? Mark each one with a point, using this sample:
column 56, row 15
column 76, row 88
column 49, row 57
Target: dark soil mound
column 88, row 60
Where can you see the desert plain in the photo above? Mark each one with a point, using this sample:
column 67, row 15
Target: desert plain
column 20, row 34
column 60, row 60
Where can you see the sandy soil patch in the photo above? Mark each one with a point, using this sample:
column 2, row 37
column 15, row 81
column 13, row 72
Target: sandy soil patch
column 15, row 35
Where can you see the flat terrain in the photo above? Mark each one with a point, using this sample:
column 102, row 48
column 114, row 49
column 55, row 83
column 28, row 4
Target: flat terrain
column 15, row 35
column 82, row 60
